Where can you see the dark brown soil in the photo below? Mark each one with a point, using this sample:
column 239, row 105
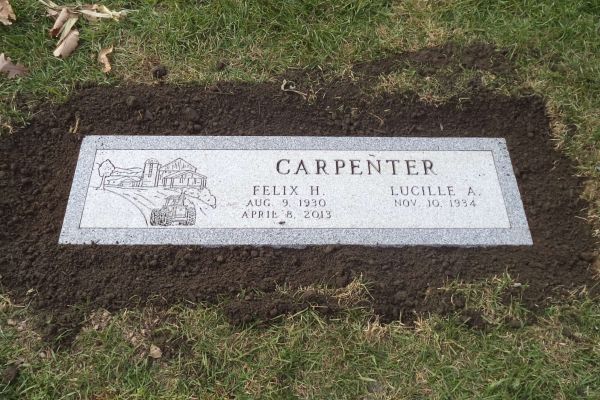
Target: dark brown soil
column 37, row 165
column 476, row 56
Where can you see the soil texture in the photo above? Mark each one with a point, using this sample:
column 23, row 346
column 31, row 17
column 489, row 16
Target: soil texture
column 38, row 161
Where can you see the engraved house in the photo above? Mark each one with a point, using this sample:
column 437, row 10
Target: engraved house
column 177, row 173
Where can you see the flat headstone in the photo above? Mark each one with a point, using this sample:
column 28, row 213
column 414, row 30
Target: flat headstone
column 294, row 191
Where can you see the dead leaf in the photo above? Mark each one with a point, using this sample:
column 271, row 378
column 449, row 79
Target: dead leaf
column 103, row 59
column 52, row 13
column 115, row 14
column 74, row 129
column 88, row 11
column 67, row 17
column 63, row 17
column 67, row 27
column 68, row 45
column 6, row 13
column 94, row 16
column 91, row 12
column 105, row 12
column 13, row 70
column 50, row 4
column 289, row 86
column 155, row 352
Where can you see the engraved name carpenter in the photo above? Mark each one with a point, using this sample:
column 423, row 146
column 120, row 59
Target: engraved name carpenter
column 287, row 166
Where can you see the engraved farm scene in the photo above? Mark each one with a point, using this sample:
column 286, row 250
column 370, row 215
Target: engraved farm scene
column 164, row 194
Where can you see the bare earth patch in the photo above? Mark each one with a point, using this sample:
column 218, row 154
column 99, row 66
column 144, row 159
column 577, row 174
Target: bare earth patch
column 37, row 165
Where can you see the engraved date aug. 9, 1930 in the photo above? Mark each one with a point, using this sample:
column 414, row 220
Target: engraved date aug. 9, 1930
column 305, row 203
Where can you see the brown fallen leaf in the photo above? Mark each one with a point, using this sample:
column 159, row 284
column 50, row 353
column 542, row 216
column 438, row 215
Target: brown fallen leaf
column 68, row 45
column 49, row 4
column 91, row 12
column 52, row 13
column 64, row 25
column 13, row 70
column 88, row 12
column 95, row 12
column 155, row 352
column 63, row 17
column 6, row 13
column 103, row 59
column 66, row 28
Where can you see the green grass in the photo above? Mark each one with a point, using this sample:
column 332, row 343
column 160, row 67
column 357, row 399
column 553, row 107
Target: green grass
column 556, row 49
column 304, row 356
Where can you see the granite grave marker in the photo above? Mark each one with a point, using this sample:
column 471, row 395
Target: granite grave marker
column 294, row 191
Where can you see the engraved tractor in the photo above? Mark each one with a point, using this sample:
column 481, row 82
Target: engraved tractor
column 174, row 211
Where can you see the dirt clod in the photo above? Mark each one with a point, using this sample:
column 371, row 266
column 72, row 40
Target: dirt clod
column 9, row 374
column 154, row 352
column 131, row 101
column 159, row 72
column 221, row 65
column 588, row 256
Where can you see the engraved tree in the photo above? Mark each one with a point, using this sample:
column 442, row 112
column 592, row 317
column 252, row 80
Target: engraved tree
column 204, row 195
column 105, row 169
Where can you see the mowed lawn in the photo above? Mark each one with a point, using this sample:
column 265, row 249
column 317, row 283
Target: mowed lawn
column 555, row 47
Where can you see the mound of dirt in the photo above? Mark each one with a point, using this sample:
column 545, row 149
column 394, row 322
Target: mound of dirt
column 37, row 165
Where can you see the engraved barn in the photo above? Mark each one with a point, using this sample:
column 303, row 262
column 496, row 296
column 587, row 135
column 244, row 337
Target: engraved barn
column 177, row 173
